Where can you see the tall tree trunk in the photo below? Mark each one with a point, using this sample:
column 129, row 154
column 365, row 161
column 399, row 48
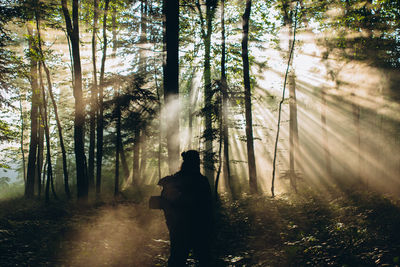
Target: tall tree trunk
column 93, row 100
column 59, row 128
column 40, row 158
column 100, row 116
column 33, row 144
column 159, row 118
column 114, row 30
column 47, row 133
column 224, row 89
column 208, row 160
column 293, row 129
column 143, row 36
column 117, row 146
column 171, row 79
column 79, row 121
column 247, row 93
column 22, row 138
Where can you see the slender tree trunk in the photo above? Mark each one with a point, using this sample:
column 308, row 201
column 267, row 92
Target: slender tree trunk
column 293, row 132
column 100, row 116
column 40, row 158
column 143, row 36
column 22, row 139
column 247, row 93
column 93, row 99
column 47, row 135
column 159, row 119
column 79, row 121
column 171, row 80
column 224, row 88
column 114, row 30
column 117, row 147
column 208, row 160
column 59, row 128
column 33, row 144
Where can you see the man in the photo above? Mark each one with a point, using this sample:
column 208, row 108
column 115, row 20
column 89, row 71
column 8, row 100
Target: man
column 187, row 205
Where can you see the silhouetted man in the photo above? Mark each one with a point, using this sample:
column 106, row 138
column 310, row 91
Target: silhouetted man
column 187, row 205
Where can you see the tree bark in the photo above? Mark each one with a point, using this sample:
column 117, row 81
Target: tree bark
column 114, row 30
column 59, row 128
column 22, row 139
column 100, row 115
column 171, row 79
column 93, row 100
column 33, row 144
column 208, row 159
column 247, row 93
column 224, row 88
column 293, row 132
column 117, row 147
column 79, row 120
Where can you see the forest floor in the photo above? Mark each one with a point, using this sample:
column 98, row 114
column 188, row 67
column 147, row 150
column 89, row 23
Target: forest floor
column 305, row 229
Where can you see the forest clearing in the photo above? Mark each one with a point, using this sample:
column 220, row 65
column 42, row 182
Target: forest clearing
column 253, row 132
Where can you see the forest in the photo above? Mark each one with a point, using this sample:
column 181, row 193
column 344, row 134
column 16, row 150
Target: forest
column 294, row 107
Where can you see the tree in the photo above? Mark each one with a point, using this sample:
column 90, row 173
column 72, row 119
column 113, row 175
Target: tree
column 34, row 138
column 171, row 80
column 93, row 99
column 206, row 31
column 247, row 95
column 79, row 121
column 100, row 115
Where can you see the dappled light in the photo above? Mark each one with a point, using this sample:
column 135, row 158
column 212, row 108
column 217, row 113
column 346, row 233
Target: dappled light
column 292, row 106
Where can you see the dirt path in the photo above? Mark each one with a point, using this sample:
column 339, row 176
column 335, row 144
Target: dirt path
column 121, row 235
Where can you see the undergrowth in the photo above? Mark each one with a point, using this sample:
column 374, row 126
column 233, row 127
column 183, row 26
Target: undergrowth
column 305, row 229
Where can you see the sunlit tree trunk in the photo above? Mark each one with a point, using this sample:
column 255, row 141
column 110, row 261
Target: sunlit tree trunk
column 293, row 129
column 59, row 128
column 22, row 139
column 224, row 88
column 206, row 31
column 46, row 132
column 93, row 100
column 79, row 121
column 100, row 115
column 40, row 158
column 159, row 118
column 171, row 79
column 143, row 36
column 114, row 30
column 33, row 144
column 247, row 93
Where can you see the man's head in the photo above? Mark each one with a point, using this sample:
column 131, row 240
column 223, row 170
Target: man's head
column 191, row 160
